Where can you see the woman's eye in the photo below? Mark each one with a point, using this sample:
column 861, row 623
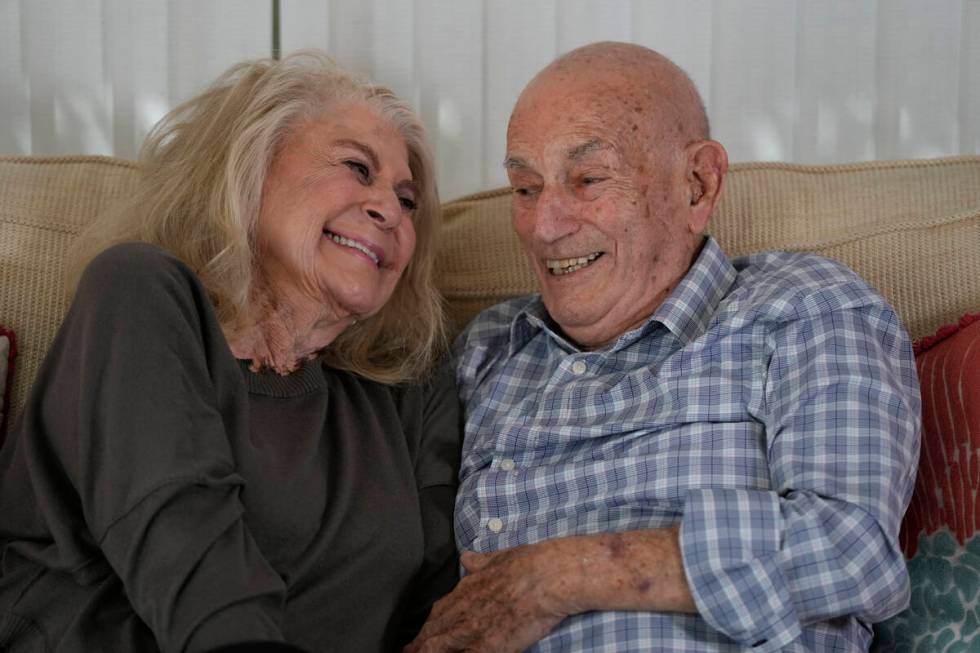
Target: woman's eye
column 359, row 168
column 408, row 204
column 588, row 181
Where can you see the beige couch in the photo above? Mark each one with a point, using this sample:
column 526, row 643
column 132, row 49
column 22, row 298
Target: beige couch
column 911, row 228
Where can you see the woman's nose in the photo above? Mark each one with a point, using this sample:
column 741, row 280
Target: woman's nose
column 384, row 208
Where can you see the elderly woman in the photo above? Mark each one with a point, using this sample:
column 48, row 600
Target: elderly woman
column 238, row 434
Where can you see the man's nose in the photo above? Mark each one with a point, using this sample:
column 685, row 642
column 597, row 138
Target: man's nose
column 555, row 217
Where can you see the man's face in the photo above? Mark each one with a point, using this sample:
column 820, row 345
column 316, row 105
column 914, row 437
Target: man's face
column 599, row 204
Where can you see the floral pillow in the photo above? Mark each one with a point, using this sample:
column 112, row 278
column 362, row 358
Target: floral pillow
column 8, row 348
column 941, row 530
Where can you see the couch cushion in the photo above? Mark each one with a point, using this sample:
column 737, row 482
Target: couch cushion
column 44, row 202
column 908, row 227
column 946, row 489
column 941, row 530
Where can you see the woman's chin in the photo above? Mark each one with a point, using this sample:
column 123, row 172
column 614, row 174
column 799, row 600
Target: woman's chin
column 362, row 308
column 355, row 298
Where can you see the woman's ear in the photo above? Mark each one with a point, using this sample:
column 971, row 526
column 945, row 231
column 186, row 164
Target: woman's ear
column 707, row 166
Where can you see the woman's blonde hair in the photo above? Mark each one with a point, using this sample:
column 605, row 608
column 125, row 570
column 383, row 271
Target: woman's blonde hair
column 203, row 167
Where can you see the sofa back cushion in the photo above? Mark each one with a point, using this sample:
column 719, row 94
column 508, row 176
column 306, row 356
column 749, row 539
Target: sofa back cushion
column 44, row 202
column 911, row 228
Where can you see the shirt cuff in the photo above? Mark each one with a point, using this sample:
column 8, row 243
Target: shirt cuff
column 730, row 542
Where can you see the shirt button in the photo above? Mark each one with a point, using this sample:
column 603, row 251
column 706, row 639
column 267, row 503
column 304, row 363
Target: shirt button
column 579, row 367
column 495, row 525
column 507, row 464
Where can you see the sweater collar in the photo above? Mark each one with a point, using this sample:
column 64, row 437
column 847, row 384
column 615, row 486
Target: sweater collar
column 308, row 378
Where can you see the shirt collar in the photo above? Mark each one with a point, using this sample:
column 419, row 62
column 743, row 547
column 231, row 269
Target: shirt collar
column 686, row 312
column 530, row 321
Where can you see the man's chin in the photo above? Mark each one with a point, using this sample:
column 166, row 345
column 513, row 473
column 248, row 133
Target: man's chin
column 569, row 316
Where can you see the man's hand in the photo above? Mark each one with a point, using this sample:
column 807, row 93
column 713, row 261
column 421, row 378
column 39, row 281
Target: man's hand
column 509, row 600
column 513, row 598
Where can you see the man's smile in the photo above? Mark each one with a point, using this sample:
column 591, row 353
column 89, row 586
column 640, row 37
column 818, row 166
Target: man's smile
column 561, row 266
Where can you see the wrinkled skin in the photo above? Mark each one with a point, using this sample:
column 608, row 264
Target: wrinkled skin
column 504, row 604
column 343, row 174
column 510, row 599
column 608, row 158
column 605, row 166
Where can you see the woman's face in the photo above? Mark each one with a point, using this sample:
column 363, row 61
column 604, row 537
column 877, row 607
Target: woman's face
column 335, row 228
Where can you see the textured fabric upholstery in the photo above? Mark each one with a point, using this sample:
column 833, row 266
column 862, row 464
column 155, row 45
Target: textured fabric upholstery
column 911, row 228
column 44, row 202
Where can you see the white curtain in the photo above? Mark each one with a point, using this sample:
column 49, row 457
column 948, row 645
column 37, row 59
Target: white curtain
column 92, row 76
column 811, row 81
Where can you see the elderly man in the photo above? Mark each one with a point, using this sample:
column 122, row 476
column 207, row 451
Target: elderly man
column 668, row 450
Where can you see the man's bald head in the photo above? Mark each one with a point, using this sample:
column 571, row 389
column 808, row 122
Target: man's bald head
column 653, row 84
column 614, row 181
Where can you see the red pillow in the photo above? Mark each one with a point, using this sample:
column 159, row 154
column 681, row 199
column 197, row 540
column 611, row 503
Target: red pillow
column 949, row 464
column 8, row 349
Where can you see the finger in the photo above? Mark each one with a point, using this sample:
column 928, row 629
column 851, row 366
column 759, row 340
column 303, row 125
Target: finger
column 442, row 616
column 473, row 562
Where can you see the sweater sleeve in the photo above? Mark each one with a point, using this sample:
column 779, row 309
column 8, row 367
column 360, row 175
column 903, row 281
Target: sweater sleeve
column 130, row 421
column 437, row 468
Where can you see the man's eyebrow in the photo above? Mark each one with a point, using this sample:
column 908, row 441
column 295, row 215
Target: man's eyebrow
column 366, row 150
column 515, row 163
column 586, row 148
column 577, row 152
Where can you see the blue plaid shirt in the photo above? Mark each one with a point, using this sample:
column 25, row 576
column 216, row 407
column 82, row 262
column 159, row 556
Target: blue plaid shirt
column 770, row 407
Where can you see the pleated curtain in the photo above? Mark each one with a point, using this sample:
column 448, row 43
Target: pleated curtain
column 808, row 81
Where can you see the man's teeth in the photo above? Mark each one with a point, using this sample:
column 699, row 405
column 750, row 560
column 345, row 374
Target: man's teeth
column 560, row 266
column 347, row 242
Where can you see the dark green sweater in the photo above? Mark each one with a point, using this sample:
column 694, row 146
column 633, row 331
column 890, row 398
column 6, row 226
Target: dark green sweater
column 157, row 494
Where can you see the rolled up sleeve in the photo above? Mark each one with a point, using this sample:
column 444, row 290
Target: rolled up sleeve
column 842, row 425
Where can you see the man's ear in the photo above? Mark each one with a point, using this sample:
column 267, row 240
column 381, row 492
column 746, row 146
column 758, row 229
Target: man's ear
column 707, row 166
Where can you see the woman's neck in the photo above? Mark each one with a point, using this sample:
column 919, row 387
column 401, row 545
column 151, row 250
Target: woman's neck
column 280, row 335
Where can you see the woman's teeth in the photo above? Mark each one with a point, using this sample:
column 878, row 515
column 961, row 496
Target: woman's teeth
column 560, row 266
column 347, row 242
